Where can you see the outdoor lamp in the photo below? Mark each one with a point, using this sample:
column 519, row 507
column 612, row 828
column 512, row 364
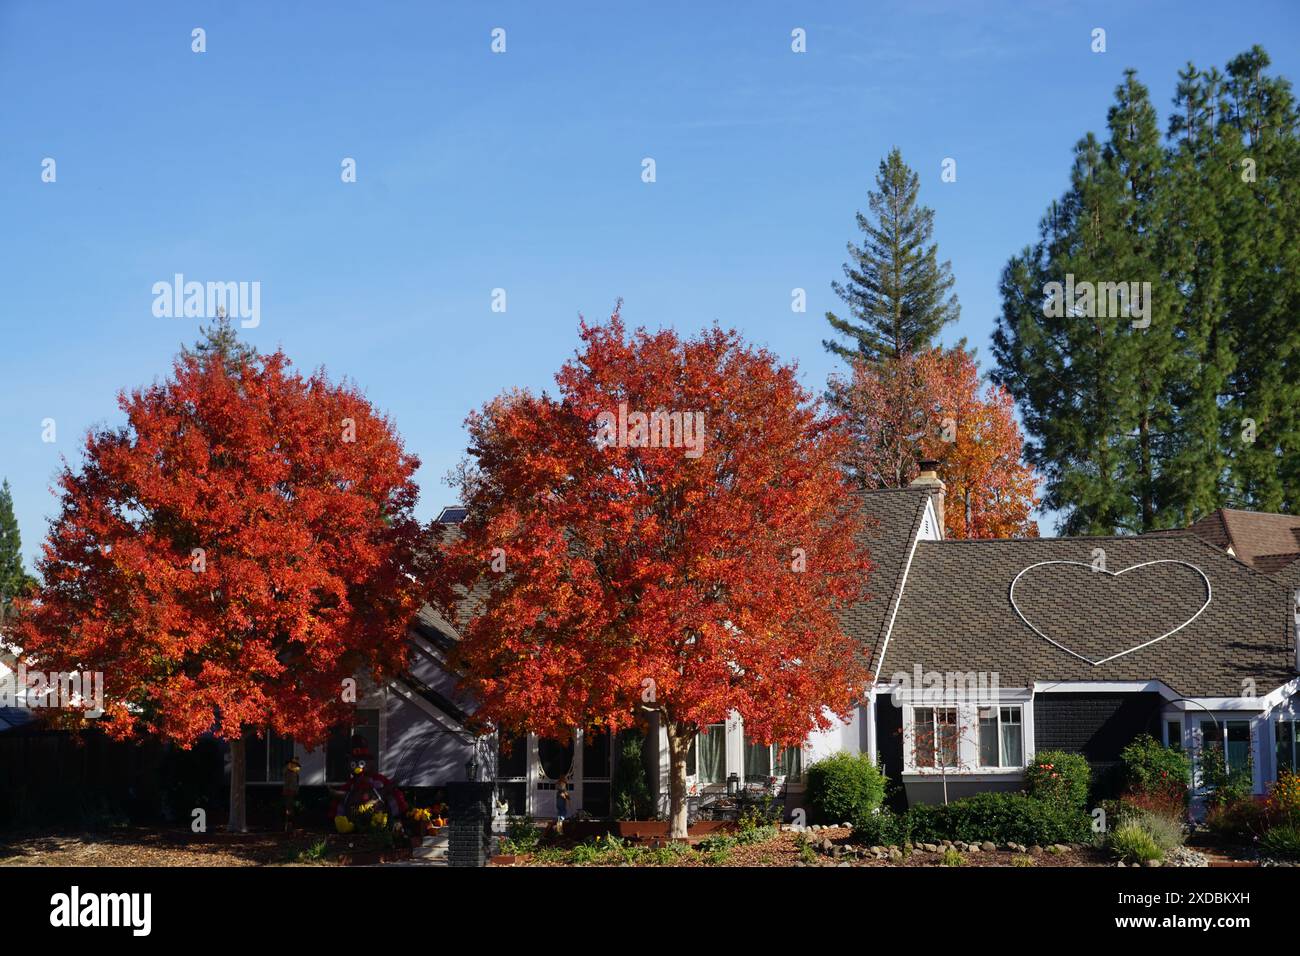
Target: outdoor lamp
column 733, row 785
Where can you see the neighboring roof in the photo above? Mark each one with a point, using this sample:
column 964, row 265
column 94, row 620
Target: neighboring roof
column 896, row 515
column 957, row 615
column 1264, row 540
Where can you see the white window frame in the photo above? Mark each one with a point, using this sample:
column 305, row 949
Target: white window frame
column 979, row 729
column 1180, row 742
column 937, row 746
column 1295, row 744
column 968, row 733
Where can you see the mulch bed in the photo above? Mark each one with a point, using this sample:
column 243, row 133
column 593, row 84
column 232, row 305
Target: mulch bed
column 785, row 849
column 154, row 846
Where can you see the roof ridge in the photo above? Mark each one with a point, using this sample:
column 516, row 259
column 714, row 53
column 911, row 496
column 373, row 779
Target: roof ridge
column 1083, row 537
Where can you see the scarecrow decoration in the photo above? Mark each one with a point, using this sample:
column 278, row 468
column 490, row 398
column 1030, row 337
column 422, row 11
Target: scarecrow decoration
column 369, row 800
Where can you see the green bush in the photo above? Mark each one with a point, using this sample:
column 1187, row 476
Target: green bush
column 1152, row 768
column 1000, row 817
column 843, row 787
column 1226, row 787
column 882, row 828
column 1282, row 841
column 1059, row 777
column 522, row 836
column 756, row 826
column 1132, row 843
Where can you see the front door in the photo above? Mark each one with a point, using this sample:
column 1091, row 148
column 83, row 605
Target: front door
column 554, row 760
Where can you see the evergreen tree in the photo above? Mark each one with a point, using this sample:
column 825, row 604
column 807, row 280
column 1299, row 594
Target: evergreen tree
column 1137, row 428
column 14, row 581
column 897, row 292
column 221, row 340
column 1258, row 128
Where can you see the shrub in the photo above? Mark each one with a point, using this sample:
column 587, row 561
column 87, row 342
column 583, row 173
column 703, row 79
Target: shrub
column 1153, row 769
column 951, row 857
column 1166, row 831
column 755, row 826
column 1000, row 817
column 1059, row 777
column 1021, row 860
column 1226, row 786
column 1282, row 841
column 1240, row 819
column 1284, row 800
column 882, row 828
column 843, row 787
column 630, row 791
column 1166, row 803
column 522, row 836
column 1132, row 843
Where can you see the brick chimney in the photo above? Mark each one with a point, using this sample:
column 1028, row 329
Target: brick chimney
column 929, row 478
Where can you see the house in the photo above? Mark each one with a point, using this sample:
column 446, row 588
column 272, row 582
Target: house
column 985, row 652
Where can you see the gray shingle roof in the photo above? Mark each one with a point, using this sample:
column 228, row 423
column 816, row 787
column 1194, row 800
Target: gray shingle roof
column 956, row 614
column 895, row 515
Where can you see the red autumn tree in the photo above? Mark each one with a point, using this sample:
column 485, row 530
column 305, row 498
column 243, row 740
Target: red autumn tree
column 230, row 556
column 933, row 405
column 671, row 535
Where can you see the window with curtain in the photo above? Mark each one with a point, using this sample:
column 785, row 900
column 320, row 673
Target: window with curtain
column 789, row 763
column 1288, row 745
column 758, row 761
column 935, row 730
column 1013, row 738
column 712, row 750
column 1001, row 737
column 923, row 735
column 988, row 735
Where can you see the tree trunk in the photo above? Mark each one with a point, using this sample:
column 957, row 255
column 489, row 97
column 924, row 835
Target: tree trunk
column 679, row 746
column 238, row 822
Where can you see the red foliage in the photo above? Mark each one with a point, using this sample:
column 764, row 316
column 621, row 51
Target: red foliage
column 933, row 405
column 232, row 554
column 645, row 578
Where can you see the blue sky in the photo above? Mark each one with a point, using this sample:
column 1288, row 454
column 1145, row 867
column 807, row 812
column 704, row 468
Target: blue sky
column 519, row 171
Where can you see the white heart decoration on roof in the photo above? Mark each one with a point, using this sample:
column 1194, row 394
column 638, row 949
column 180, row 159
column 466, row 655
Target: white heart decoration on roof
column 1115, row 574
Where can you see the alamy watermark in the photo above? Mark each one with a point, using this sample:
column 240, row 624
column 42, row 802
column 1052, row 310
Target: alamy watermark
column 64, row 690
column 931, row 688
column 659, row 429
column 208, row 300
column 1100, row 300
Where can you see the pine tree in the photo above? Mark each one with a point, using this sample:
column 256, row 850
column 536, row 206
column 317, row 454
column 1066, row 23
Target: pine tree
column 1143, row 428
column 14, row 581
column 1258, row 130
column 898, row 293
column 221, row 340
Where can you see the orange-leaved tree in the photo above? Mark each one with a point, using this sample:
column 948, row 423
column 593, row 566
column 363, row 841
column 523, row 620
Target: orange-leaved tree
column 231, row 556
column 933, row 405
column 670, row 534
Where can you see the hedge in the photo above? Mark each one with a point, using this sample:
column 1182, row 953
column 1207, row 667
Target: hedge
column 997, row 816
